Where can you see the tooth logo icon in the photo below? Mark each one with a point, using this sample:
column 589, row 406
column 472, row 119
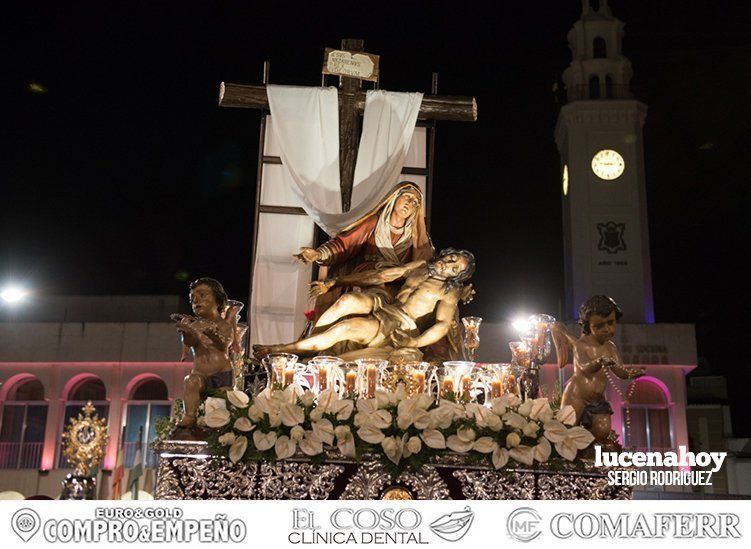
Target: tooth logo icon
column 25, row 523
column 454, row 526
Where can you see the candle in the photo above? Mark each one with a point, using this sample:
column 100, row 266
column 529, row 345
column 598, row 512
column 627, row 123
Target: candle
column 495, row 389
column 350, row 379
column 289, row 376
column 323, row 378
column 511, row 384
column 466, row 386
column 448, row 386
column 419, row 378
column 371, row 374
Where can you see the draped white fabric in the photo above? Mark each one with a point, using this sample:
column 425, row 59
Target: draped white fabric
column 305, row 121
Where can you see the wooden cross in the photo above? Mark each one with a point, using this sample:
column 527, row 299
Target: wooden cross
column 351, row 107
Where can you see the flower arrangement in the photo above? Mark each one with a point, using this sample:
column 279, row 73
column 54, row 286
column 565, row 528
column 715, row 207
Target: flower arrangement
column 403, row 430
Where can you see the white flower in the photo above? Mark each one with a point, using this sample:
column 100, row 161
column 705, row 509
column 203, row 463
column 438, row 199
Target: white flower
column 284, row 447
column 525, row 408
column 227, row 439
column 307, row 399
column 370, row 434
column 466, row 434
column 237, row 450
column 512, row 419
column 499, row 405
column 369, row 415
column 442, row 416
column 264, row 441
column 433, row 439
column 414, row 445
column 500, row 457
column 255, row 413
column 275, row 419
column 542, row 450
column 421, row 420
column 296, row 433
column 393, row 447
column 566, row 415
column 384, row 399
column 577, row 438
column 311, row 445
column 485, row 445
column 458, row 445
column 541, row 409
column 213, row 404
column 523, row 454
column 216, row 416
column 554, row 431
column 345, row 441
column 291, row 414
column 512, row 440
column 238, row 398
column 342, row 409
column 494, row 423
column 530, row 429
column 243, row 424
column 324, row 430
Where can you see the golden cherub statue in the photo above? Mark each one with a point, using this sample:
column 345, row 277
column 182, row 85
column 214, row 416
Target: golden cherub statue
column 594, row 354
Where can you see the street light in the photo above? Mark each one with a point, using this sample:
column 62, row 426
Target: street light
column 13, row 294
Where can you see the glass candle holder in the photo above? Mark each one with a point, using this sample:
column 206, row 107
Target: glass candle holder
column 325, row 369
column 281, row 368
column 457, row 378
column 471, row 334
column 419, row 373
column 370, row 370
column 348, row 379
column 520, row 355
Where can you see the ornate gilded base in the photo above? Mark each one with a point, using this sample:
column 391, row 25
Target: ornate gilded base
column 187, row 472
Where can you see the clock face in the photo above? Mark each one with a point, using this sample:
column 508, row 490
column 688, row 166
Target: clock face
column 607, row 164
column 565, row 180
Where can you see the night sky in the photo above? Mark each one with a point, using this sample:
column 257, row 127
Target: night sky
column 121, row 175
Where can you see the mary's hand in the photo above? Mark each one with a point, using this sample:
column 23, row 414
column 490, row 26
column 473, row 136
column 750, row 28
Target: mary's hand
column 308, row 255
column 400, row 339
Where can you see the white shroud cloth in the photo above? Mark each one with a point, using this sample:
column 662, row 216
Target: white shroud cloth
column 305, row 121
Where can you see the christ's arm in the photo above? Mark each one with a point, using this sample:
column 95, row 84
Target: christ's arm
column 374, row 277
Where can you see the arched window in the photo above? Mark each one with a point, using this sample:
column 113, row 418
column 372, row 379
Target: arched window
column 609, row 95
column 599, row 48
column 594, row 87
column 148, row 401
column 647, row 417
column 23, row 425
column 87, row 388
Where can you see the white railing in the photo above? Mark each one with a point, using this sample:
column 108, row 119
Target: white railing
column 20, row 455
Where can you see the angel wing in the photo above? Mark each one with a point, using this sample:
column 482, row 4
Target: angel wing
column 562, row 340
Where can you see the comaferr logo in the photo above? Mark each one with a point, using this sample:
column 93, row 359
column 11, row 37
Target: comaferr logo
column 524, row 524
column 640, row 525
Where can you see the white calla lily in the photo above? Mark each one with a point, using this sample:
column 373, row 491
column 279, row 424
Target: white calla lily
column 500, row 457
column 530, row 429
column 243, row 424
column 542, row 450
column 554, row 431
column 433, row 438
column 311, row 445
column 324, row 430
column 485, row 445
column 238, row 399
column 284, row 447
column 237, row 450
column 370, row 434
column 523, row 454
column 458, row 445
column 514, row 420
column 513, row 440
column 414, row 445
column 566, row 415
column 291, row 414
column 466, row 434
column 393, row 447
column 227, row 439
column 264, row 441
column 307, row 399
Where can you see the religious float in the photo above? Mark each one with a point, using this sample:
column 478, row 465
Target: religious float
column 380, row 396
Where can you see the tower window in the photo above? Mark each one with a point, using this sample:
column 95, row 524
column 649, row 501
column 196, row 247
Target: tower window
column 608, row 87
column 599, row 48
column 594, row 87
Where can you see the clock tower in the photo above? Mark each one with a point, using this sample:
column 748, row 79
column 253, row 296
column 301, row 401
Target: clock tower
column 599, row 137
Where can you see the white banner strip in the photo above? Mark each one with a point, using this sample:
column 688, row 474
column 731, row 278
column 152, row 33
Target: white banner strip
column 274, row 524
